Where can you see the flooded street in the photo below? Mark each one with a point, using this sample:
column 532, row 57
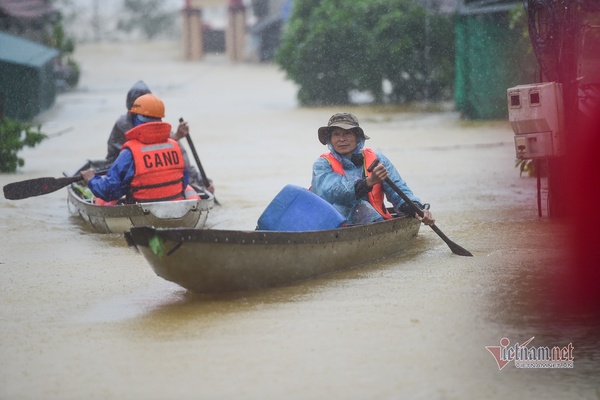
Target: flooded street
column 84, row 317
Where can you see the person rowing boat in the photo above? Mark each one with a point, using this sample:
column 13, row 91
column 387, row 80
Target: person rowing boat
column 126, row 122
column 342, row 178
column 150, row 167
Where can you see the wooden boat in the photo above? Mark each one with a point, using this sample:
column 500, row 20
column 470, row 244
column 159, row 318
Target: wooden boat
column 121, row 217
column 211, row 261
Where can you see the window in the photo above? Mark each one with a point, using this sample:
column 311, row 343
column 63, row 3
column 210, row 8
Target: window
column 534, row 98
column 515, row 100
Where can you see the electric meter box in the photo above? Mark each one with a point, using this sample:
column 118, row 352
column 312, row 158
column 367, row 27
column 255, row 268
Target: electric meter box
column 536, row 115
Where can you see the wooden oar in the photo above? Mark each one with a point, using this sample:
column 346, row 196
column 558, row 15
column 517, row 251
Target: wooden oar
column 456, row 249
column 39, row 186
column 205, row 181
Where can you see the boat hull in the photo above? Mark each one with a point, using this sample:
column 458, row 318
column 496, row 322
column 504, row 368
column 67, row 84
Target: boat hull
column 120, row 218
column 212, row 261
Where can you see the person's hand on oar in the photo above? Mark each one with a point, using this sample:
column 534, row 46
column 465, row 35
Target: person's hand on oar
column 87, row 175
column 427, row 218
column 210, row 186
column 182, row 130
column 379, row 175
column 206, row 182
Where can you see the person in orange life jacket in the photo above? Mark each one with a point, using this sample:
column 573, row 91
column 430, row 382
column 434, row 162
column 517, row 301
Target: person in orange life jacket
column 150, row 166
column 126, row 122
column 340, row 176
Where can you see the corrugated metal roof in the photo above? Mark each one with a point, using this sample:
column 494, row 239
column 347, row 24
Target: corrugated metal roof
column 25, row 52
column 26, row 8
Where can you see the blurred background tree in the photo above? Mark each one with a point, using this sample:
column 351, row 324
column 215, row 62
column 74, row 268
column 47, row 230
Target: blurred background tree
column 148, row 16
column 67, row 68
column 332, row 47
column 324, row 50
column 413, row 49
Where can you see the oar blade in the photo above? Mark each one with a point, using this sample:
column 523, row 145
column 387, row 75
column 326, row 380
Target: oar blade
column 456, row 249
column 35, row 187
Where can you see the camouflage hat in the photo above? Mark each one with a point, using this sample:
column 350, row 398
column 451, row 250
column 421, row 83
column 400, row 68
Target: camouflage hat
column 341, row 120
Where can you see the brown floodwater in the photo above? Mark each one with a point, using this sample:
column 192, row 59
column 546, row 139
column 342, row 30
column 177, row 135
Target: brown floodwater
column 84, row 317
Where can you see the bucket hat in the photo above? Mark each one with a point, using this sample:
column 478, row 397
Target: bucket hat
column 341, row 120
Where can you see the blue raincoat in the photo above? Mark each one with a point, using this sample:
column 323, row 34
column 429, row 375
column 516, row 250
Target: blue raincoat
column 339, row 190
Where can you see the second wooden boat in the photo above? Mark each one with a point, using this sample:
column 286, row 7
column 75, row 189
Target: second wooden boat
column 212, row 261
column 121, row 217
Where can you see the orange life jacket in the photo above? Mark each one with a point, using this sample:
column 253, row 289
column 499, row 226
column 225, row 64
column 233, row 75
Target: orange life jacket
column 191, row 194
column 376, row 195
column 99, row 202
column 159, row 165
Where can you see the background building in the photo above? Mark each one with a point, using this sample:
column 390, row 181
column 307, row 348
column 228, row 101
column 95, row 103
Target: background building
column 27, row 84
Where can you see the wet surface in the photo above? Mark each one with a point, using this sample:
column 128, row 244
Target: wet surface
column 83, row 316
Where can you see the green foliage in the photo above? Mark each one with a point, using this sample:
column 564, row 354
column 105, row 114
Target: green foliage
column 529, row 166
column 147, row 16
column 157, row 245
column 517, row 21
column 322, row 50
column 73, row 77
column 331, row 47
column 14, row 136
column 414, row 51
column 58, row 40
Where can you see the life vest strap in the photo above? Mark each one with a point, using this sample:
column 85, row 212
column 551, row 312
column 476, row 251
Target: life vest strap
column 174, row 197
column 158, row 185
column 376, row 194
column 133, row 190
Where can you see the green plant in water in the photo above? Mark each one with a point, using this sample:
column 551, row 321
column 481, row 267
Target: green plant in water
column 529, row 166
column 15, row 135
column 157, row 245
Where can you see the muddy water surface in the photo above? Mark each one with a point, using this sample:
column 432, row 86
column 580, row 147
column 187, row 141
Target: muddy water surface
column 82, row 316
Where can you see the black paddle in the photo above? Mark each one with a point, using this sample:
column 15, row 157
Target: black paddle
column 456, row 249
column 205, row 181
column 39, row 186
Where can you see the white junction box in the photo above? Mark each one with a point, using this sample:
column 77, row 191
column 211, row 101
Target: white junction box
column 536, row 115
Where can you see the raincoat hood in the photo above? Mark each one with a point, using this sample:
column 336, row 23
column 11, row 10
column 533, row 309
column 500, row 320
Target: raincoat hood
column 138, row 89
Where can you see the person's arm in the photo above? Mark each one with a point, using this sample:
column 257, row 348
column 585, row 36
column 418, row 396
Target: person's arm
column 117, row 137
column 195, row 176
column 116, row 181
column 182, row 130
column 186, row 178
column 395, row 177
column 397, row 201
column 331, row 186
